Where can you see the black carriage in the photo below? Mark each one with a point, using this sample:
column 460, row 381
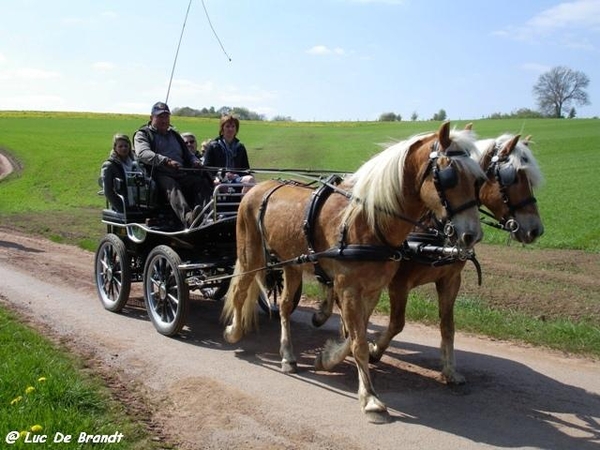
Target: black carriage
column 146, row 243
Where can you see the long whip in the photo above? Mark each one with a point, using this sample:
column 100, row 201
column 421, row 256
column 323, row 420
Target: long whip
column 177, row 52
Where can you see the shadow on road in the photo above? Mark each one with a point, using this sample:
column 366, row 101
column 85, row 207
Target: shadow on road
column 504, row 404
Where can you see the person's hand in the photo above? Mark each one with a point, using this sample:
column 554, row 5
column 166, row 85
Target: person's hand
column 173, row 164
column 197, row 164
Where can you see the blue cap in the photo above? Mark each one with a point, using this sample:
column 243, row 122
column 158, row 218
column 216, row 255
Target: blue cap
column 160, row 108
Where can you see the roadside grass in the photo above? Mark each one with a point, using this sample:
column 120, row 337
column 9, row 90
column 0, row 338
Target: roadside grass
column 473, row 316
column 46, row 391
column 470, row 316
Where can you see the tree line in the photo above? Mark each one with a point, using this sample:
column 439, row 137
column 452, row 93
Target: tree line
column 556, row 93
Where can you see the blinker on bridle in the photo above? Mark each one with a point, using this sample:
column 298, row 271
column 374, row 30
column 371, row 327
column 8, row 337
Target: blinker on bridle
column 506, row 175
column 446, row 178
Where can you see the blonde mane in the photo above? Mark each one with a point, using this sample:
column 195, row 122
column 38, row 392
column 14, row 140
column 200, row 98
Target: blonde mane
column 377, row 184
column 521, row 158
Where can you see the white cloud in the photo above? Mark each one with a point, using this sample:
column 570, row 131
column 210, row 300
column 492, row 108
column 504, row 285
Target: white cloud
column 192, row 88
column 386, row 2
column 34, row 102
column 2, row 58
column 581, row 13
column 535, row 67
column 575, row 18
column 36, row 74
column 109, row 15
column 251, row 95
column 324, row 50
column 103, row 66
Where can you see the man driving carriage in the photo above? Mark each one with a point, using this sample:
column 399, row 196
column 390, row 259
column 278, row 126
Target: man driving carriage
column 163, row 152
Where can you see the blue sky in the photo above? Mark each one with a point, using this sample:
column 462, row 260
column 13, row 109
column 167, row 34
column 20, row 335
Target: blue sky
column 307, row 59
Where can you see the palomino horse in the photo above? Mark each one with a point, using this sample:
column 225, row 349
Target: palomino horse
column 512, row 174
column 356, row 239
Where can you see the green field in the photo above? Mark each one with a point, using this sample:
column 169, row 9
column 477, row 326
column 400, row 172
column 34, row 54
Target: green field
column 55, row 195
column 61, row 154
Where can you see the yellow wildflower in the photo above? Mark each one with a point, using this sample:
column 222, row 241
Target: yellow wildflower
column 29, row 389
column 36, row 428
column 23, row 433
column 16, row 400
column 41, row 379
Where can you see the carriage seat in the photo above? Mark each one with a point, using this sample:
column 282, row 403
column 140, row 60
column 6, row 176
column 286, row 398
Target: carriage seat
column 131, row 216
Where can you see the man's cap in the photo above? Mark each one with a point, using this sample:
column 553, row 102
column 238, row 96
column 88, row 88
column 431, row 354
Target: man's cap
column 159, row 108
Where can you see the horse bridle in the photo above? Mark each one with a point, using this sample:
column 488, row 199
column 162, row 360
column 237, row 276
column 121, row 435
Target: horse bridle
column 505, row 175
column 444, row 179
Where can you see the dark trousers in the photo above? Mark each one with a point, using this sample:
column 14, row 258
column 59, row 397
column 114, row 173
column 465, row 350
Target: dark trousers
column 185, row 191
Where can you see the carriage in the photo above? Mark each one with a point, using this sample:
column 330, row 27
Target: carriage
column 147, row 244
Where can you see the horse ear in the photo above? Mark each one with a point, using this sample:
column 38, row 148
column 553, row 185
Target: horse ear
column 527, row 140
column 508, row 147
column 444, row 135
column 469, row 126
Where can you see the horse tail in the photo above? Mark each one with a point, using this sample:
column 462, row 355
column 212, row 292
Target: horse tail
column 249, row 316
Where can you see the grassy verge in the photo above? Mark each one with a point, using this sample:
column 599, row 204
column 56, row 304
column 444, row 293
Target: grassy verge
column 471, row 316
column 47, row 396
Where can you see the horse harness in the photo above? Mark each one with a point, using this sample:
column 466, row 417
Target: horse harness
column 506, row 175
column 431, row 251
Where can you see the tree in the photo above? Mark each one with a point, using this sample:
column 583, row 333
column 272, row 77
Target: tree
column 414, row 116
column 440, row 115
column 389, row 117
column 559, row 88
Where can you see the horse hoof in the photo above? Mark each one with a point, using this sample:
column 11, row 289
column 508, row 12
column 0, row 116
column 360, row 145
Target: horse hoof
column 319, row 362
column 378, row 417
column 318, row 320
column 289, row 367
column 454, row 379
column 230, row 336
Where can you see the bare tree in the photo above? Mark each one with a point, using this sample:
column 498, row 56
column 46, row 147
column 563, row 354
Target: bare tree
column 559, row 88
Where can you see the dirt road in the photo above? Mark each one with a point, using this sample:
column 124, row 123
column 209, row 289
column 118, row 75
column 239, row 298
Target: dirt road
column 200, row 392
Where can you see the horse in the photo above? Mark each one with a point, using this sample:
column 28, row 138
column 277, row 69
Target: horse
column 355, row 239
column 512, row 174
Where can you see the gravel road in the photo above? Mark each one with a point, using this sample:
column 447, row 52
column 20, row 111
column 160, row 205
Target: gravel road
column 198, row 392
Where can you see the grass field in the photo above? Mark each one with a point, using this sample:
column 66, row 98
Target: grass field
column 61, row 154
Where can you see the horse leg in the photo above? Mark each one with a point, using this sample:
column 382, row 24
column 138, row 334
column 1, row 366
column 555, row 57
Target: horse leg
column 356, row 327
column 447, row 289
column 398, row 292
column 356, row 317
column 292, row 280
column 325, row 308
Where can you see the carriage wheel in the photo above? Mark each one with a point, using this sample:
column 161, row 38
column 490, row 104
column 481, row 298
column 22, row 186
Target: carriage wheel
column 270, row 303
column 113, row 273
column 165, row 292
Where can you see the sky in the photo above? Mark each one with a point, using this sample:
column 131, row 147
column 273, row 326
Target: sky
column 310, row 60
